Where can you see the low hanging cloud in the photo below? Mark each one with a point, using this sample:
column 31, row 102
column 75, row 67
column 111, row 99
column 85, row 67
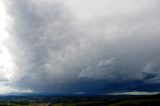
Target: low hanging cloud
column 102, row 71
column 56, row 44
column 151, row 72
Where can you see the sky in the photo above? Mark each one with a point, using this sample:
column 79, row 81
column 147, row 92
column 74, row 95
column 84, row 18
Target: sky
column 80, row 46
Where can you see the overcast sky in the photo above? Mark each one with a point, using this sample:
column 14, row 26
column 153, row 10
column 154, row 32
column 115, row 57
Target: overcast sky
column 79, row 46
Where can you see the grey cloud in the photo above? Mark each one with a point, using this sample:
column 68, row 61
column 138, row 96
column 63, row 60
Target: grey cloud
column 150, row 68
column 101, row 71
column 42, row 37
column 151, row 73
column 52, row 47
column 3, row 77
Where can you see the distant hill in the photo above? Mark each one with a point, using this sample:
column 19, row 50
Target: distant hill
column 79, row 100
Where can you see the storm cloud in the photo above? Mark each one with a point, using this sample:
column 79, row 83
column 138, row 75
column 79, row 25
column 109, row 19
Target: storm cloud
column 62, row 45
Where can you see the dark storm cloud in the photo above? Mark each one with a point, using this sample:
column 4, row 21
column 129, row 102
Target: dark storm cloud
column 59, row 47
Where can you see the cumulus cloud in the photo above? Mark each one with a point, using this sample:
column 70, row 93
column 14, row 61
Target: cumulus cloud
column 57, row 43
column 151, row 73
column 102, row 71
